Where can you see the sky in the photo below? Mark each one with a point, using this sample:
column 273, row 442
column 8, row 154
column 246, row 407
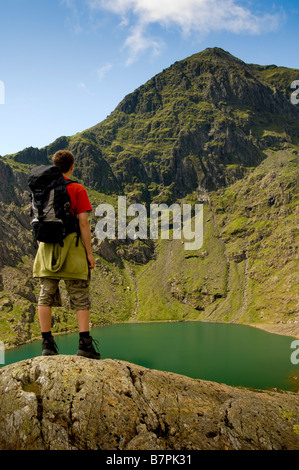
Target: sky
column 66, row 64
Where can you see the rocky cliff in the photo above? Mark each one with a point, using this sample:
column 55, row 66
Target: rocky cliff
column 72, row 403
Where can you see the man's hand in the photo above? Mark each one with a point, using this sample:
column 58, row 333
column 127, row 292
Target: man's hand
column 91, row 261
column 86, row 238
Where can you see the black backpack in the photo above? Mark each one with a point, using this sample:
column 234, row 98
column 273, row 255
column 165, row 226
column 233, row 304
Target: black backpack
column 50, row 205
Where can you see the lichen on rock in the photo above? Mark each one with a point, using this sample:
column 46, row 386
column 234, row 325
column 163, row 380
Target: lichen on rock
column 73, row 403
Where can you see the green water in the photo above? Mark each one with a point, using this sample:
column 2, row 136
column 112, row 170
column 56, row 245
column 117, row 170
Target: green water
column 225, row 353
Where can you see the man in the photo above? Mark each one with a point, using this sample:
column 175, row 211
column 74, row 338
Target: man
column 71, row 262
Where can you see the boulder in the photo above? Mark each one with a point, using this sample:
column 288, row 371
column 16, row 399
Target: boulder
column 73, row 403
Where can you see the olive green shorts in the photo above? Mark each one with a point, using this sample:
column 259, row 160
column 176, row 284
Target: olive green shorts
column 78, row 291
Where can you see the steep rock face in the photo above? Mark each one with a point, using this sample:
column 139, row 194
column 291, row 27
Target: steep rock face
column 207, row 113
column 7, row 184
column 92, row 168
column 33, row 156
column 14, row 217
column 70, row 403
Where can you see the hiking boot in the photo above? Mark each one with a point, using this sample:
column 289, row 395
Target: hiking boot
column 49, row 347
column 87, row 349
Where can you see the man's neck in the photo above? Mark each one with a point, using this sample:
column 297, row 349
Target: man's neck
column 68, row 174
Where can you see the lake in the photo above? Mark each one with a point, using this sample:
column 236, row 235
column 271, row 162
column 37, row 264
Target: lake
column 226, row 353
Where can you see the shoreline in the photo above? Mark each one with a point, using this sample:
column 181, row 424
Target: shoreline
column 284, row 329
column 290, row 330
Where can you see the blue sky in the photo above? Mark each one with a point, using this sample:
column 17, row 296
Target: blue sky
column 66, row 64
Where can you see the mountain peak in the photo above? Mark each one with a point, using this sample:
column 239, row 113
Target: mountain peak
column 216, row 54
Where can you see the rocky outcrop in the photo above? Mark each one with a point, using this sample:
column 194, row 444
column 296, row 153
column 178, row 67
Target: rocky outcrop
column 70, row 403
column 8, row 185
column 92, row 168
column 203, row 121
column 33, row 156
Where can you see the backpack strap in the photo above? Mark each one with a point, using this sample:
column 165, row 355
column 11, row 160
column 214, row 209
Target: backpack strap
column 67, row 182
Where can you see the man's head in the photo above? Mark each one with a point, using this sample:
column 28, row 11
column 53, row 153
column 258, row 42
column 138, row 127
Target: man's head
column 64, row 159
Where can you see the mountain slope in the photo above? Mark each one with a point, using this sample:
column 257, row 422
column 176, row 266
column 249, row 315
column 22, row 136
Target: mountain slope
column 246, row 270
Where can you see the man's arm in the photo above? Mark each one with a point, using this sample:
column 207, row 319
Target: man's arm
column 86, row 237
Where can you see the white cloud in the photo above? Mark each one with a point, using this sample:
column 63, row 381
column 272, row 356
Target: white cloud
column 200, row 16
column 102, row 71
column 73, row 20
column 137, row 42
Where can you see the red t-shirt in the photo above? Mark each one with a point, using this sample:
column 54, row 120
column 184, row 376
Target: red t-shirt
column 79, row 199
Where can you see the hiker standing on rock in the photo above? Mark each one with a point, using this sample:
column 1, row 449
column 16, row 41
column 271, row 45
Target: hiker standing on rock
column 68, row 257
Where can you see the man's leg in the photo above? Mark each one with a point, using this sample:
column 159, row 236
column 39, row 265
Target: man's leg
column 49, row 295
column 78, row 291
column 49, row 347
column 45, row 317
column 83, row 320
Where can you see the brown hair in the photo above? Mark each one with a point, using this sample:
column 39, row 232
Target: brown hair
column 64, row 160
